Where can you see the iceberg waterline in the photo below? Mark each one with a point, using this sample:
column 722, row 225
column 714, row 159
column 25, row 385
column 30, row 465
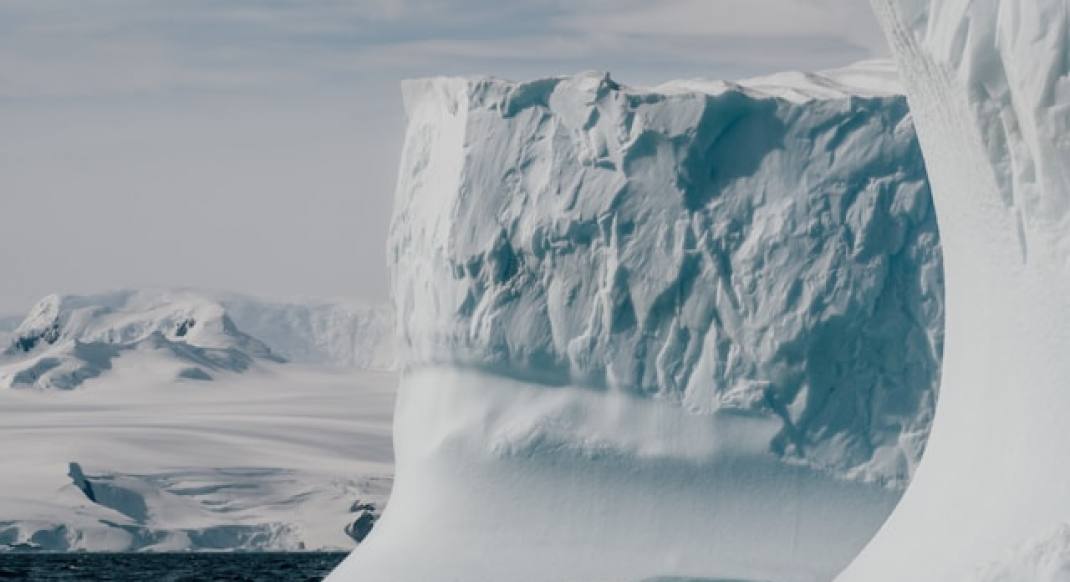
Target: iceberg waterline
column 688, row 331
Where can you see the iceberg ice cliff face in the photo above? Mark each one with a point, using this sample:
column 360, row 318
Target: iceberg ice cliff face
column 723, row 251
column 688, row 331
column 989, row 83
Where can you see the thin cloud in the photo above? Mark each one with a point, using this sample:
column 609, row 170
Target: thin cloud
column 93, row 47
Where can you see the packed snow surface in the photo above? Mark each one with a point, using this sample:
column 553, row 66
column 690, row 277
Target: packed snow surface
column 989, row 84
column 684, row 331
column 160, row 424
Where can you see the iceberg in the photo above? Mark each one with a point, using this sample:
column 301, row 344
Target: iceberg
column 692, row 331
column 989, row 84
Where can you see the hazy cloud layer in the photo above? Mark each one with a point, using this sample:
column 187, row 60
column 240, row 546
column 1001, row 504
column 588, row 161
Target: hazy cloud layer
column 251, row 144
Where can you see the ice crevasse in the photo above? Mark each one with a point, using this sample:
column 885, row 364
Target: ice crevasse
column 989, row 85
column 690, row 331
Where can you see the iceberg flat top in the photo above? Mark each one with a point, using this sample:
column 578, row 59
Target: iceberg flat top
column 875, row 78
column 872, row 78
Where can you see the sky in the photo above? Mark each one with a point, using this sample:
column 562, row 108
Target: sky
column 252, row 145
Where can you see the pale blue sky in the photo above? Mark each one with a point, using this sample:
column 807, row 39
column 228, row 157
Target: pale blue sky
column 251, row 145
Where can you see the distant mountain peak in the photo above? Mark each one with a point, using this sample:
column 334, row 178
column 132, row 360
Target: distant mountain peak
column 66, row 340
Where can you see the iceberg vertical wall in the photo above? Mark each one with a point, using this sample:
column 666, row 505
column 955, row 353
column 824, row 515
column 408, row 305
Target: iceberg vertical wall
column 684, row 332
column 989, row 84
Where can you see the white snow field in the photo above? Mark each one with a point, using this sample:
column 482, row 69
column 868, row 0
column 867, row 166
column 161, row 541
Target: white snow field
column 672, row 333
column 989, row 82
column 149, row 420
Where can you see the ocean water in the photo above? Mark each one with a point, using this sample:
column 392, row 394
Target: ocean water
column 244, row 567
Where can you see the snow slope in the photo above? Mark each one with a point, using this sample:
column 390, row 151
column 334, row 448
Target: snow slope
column 277, row 458
column 989, row 82
column 686, row 331
column 66, row 340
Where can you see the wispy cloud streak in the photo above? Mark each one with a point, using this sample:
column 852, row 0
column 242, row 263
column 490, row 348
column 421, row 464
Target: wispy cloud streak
column 94, row 47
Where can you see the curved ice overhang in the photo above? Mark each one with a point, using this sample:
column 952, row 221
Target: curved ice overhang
column 989, row 85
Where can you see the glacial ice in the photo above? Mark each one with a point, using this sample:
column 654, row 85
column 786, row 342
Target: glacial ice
column 656, row 333
column 989, row 84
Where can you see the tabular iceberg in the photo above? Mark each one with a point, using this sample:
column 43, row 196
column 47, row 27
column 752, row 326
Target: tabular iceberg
column 989, row 83
column 687, row 331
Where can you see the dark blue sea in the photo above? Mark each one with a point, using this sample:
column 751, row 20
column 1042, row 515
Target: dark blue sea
column 300, row 567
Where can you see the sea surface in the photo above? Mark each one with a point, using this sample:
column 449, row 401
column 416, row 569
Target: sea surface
column 243, row 567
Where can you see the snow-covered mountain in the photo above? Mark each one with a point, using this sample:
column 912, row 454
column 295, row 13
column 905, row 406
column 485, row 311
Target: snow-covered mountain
column 67, row 340
column 989, row 82
column 691, row 331
column 286, row 448
column 333, row 333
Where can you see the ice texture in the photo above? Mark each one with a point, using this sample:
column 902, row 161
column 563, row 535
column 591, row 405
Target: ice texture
column 720, row 251
column 989, row 85
column 685, row 331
